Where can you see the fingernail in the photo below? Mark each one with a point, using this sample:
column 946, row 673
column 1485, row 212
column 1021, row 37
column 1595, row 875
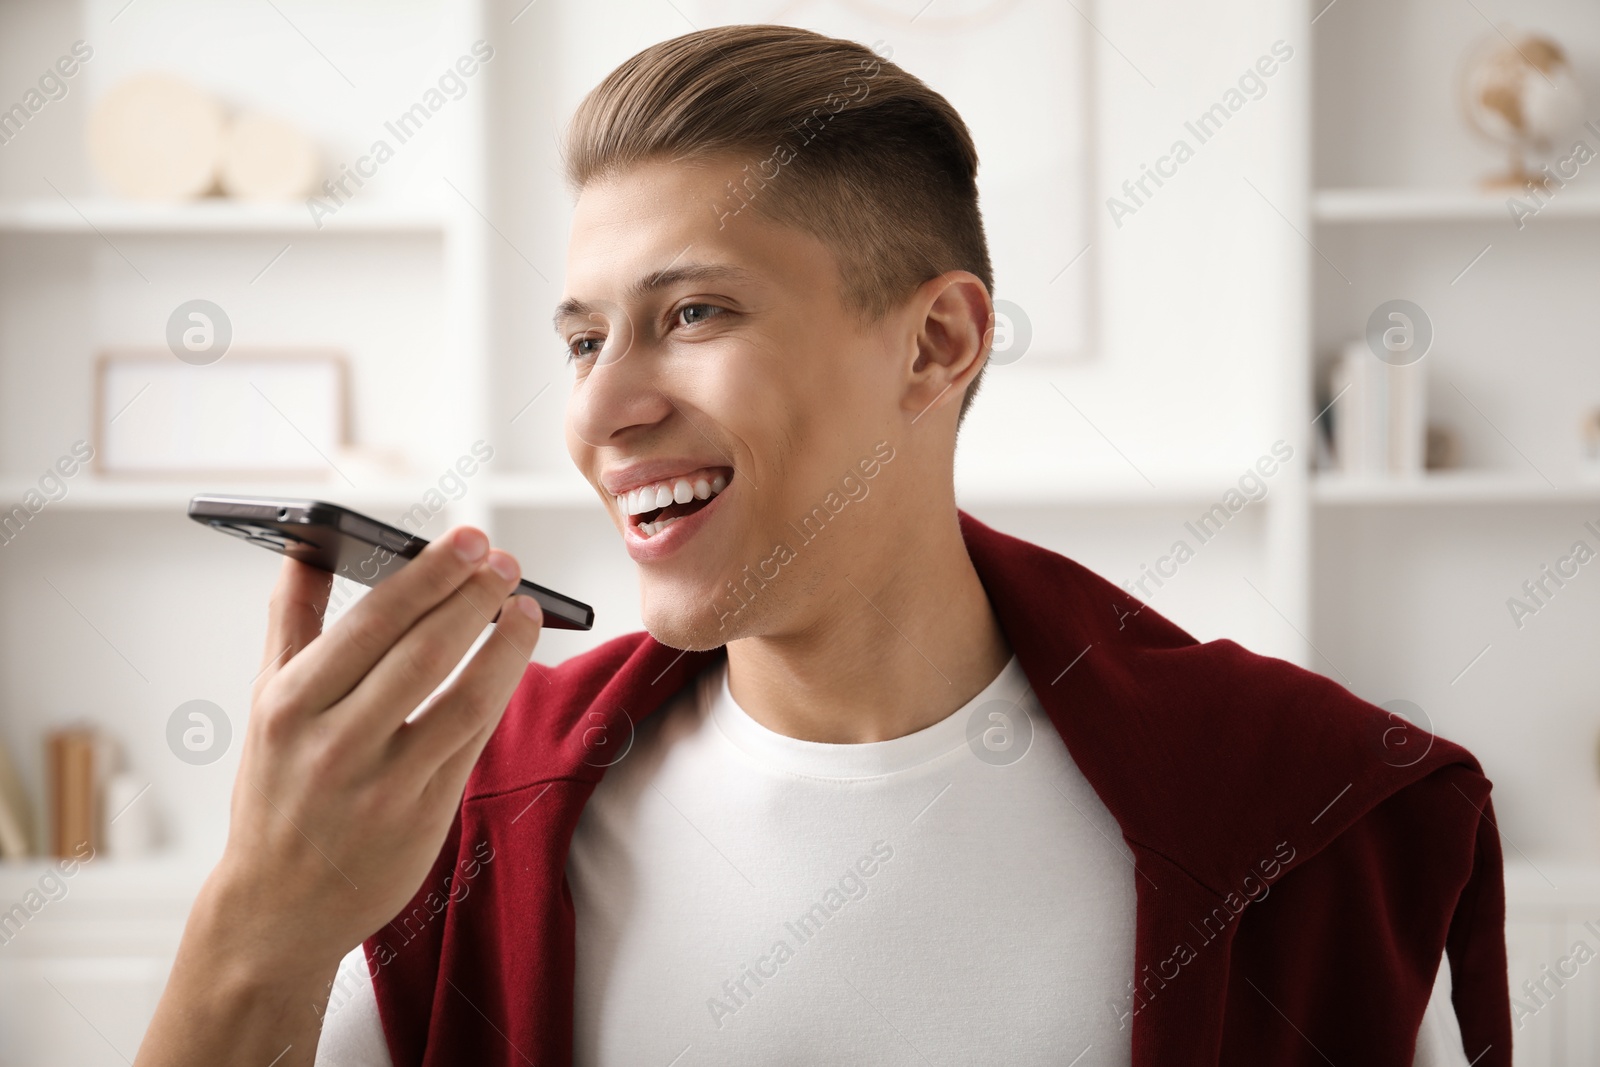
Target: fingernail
column 504, row 565
column 530, row 607
column 471, row 545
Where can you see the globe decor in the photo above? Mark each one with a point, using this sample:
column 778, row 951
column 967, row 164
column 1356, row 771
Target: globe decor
column 1519, row 92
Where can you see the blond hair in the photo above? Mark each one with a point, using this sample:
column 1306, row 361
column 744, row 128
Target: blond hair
column 843, row 145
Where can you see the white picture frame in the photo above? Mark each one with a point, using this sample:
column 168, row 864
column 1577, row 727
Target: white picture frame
column 266, row 413
column 1000, row 64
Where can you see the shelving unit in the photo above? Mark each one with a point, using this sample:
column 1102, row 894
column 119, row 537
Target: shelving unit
column 1412, row 579
column 121, row 608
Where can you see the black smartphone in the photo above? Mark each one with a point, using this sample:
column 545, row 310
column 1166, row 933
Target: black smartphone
column 348, row 544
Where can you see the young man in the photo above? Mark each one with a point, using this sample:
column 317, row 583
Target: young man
column 880, row 782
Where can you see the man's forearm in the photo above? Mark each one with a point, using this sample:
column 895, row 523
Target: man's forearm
column 236, row 996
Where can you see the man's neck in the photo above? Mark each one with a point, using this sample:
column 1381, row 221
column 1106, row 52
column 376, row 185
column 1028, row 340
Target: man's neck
column 897, row 647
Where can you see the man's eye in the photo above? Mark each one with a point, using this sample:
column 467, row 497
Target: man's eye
column 690, row 314
column 585, row 348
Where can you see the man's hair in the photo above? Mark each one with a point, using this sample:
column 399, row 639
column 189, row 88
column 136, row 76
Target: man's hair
column 842, row 144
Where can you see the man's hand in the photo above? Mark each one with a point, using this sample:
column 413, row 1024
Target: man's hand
column 341, row 803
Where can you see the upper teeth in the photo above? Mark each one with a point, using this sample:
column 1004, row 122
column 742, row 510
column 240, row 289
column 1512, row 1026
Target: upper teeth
column 681, row 491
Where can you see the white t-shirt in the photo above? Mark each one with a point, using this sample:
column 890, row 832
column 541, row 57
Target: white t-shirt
column 743, row 896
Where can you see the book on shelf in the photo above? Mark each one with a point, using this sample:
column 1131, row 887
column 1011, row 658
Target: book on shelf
column 1378, row 415
column 73, row 756
column 16, row 814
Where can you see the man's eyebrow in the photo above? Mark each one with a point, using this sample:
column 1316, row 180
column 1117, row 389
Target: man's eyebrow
column 661, row 279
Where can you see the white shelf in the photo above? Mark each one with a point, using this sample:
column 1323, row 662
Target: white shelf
column 158, row 877
column 212, row 216
column 107, row 494
column 1465, row 487
column 1443, row 205
column 564, row 490
column 1183, row 492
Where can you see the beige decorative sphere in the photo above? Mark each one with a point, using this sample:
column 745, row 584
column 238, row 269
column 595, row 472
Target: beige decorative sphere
column 156, row 137
column 267, row 159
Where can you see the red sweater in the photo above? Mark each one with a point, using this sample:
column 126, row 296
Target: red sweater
column 1303, row 858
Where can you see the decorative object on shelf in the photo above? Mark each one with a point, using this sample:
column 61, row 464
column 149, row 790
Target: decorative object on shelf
column 73, row 757
column 156, row 137
column 1377, row 414
column 275, row 413
column 1589, row 457
column 264, row 158
column 1519, row 91
column 1443, row 451
column 130, row 818
column 16, row 814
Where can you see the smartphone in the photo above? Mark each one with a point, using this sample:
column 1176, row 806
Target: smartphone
column 348, row 544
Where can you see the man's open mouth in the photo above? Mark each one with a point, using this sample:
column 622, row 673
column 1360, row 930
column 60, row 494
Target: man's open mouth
column 652, row 508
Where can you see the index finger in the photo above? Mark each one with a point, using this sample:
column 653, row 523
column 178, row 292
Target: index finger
column 332, row 664
column 294, row 615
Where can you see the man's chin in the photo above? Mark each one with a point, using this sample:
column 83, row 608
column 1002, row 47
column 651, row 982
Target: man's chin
column 692, row 620
column 691, row 635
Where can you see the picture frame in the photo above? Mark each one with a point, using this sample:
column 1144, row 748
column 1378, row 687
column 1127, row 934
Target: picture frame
column 261, row 413
column 1038, row 193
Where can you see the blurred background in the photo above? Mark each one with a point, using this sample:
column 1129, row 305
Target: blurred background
column 1297, row 339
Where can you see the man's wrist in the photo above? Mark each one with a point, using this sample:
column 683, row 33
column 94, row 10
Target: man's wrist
column 244, row 986
column 247, row 943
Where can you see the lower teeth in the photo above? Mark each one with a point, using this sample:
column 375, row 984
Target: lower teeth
column 650, row 529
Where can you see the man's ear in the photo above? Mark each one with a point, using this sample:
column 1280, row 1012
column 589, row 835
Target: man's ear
column 952, row 341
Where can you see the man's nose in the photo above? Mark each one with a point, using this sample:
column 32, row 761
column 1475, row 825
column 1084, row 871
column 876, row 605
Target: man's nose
column 621, row 392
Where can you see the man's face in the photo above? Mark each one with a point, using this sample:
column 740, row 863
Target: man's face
column 713, row 351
